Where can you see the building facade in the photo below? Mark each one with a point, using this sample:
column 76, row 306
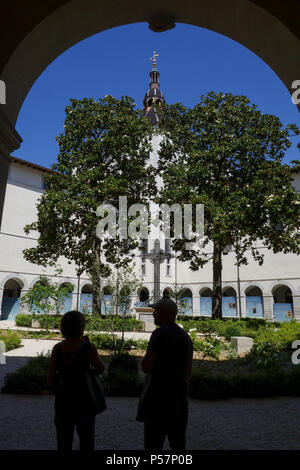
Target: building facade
column 270, row 291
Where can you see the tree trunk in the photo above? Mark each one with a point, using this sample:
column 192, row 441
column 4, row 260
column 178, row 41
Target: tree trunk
column 96, row 283
column 96, row 301
column 217, row 282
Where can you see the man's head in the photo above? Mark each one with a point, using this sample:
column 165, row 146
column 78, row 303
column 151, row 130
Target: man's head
column 165, row 311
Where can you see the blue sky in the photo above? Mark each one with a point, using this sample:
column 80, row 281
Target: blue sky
column 192, row 61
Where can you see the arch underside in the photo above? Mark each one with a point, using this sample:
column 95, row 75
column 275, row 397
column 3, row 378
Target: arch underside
column 269, row 29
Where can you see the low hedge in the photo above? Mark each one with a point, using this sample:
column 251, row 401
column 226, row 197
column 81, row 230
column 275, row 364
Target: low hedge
column 24, row 320
column 122, row 379
column 104, row 323
column 118, row 322
column 281, row 334
column 30, row 378
column 106, row 341
column 10, row 339
column 205, row 386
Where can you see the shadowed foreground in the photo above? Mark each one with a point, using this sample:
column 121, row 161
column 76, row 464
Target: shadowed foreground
column 265, row 423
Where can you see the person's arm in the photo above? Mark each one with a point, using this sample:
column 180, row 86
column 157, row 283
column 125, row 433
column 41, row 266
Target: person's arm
column 95, row 359
column 151, row 354
column 148, row 361
column 51, row 372
column 190, row 362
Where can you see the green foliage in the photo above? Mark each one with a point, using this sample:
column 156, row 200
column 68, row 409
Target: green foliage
column 10, row 339
column 228, row 327
column 227, row 155
column 24, row 320
column 229, row 350
column 46, row 297
column 103, row 153
column 263, row 355
column 31, row 378
column 282, row 336
column 264, row 383
column 122, row 376
column 49, row 321
column 93, row 322
column 123, row 283
column 122, row 379
column 118, row 322
column 209, row 347
column 114, row 343
column 232, row 330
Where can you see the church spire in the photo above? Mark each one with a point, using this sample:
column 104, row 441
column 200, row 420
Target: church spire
column 153, row 96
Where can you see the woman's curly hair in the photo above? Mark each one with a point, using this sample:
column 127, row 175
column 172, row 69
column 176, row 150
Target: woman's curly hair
column 72, row 324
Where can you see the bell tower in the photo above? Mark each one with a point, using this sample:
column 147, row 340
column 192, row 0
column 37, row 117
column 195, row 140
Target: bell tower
column 154, row 96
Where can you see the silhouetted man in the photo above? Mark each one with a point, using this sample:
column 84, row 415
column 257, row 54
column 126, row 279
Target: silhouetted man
column 163, row 405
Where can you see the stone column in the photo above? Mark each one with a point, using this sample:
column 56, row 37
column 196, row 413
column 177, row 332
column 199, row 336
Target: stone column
column 74, row 300
column 244, row 306
column 1, row 297
column 268, row 302
column 296, row 306
column 9, row 141
column 196, row 306
column 23, row 309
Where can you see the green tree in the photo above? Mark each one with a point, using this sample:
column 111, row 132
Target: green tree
column 178, row 294
column 123, row 283
column 103, row 154
column 46, row 297
column 227, row 155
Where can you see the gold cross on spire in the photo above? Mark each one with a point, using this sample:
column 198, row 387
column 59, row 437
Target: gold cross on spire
column 154, row 58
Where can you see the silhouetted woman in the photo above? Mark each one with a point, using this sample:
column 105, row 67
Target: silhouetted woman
column 69, row 361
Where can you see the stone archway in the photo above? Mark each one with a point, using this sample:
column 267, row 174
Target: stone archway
column 269, row 29
column 229, row 302
column 10, row 303
column 86, row 298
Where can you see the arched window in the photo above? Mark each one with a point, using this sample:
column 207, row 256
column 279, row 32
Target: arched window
column 254, row 302
column 206, row 302
column 229, row 304
column 86, row 299
column 107, row 301
column 186, row 302
column 143, row 294
column 283, row 303
column 65, row 302
column 11, row 299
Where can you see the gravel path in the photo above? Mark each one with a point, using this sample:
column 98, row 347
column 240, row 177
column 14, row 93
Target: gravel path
column 27, row 424
column 266, row 423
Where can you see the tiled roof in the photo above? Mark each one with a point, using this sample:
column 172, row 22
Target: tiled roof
column 30, row 164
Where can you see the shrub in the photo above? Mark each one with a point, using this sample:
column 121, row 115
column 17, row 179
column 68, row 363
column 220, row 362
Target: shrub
column 24, row 320
column 209, row 347
column 263, row 355
column 116, row 322
column 106, row 341
column 122, row 378
column 205, row 386
column 48, row 321
column 232, row 330
column 282, row 337
column 31, row 378
column 10, row 339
